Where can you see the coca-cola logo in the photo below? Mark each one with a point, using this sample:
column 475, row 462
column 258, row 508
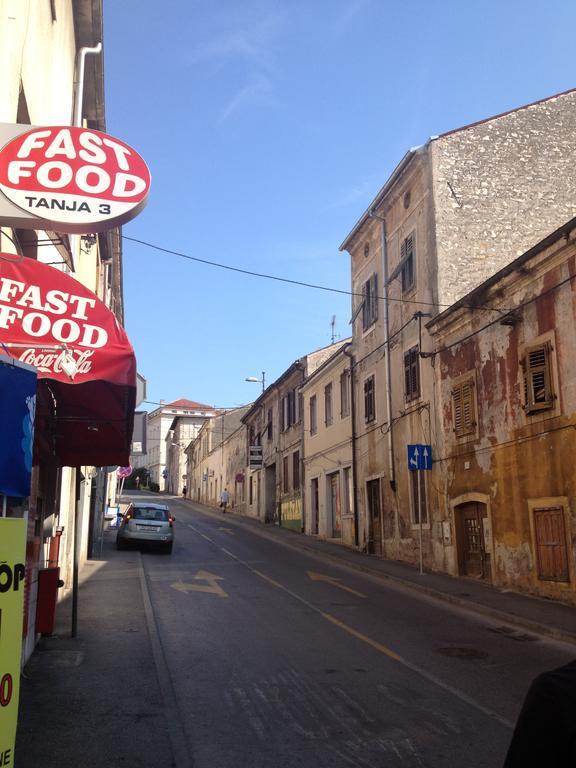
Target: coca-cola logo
column 81, row 179
column 67, row 361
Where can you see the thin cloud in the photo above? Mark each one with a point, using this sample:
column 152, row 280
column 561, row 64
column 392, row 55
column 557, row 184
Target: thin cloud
column 258, row 91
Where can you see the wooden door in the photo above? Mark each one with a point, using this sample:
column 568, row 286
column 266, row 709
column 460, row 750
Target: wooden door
column 473, row 556
column 550, row 537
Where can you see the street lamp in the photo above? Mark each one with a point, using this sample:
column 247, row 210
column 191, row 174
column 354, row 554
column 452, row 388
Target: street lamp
column 256, row 380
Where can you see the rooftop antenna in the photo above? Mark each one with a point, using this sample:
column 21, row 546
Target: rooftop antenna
column 333, row 324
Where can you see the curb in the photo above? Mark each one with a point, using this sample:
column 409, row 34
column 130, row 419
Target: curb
column 470, row 606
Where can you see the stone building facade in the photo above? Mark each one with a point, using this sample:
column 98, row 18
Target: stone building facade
column 454, row 211
column 506, row 408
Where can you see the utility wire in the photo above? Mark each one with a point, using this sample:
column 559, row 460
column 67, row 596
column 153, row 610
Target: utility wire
column 300, row 282
column 498, row 319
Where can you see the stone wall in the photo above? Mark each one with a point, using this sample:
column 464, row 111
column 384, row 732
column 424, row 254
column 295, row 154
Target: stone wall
column 501, row 186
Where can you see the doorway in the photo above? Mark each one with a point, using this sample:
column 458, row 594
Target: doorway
column 375, row 516
column 314, row 506
column 334, row 506
column 270, row 493
column 472, row 540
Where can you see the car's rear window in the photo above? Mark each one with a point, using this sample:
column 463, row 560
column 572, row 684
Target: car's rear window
column 149, row 513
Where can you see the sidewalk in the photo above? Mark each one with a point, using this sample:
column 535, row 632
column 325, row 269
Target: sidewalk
column 524, row 612
column 104, row 681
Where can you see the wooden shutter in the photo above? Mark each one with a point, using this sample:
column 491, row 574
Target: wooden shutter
column 463, row 408
column 538, row 394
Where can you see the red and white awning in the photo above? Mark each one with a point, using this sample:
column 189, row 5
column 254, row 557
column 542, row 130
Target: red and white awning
column 85, row 362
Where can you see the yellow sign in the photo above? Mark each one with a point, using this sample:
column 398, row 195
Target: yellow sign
column 12, row 571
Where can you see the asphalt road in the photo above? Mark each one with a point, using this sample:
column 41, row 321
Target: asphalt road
column 269, row 657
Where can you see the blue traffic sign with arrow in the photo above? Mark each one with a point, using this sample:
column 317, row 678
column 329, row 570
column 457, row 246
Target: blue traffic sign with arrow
column 419, row 457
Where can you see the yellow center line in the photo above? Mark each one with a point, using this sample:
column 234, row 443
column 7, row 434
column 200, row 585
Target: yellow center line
column 359, row 636
column 375, row 644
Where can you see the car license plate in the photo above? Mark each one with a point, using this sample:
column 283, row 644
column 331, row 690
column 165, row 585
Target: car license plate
column 149, row 528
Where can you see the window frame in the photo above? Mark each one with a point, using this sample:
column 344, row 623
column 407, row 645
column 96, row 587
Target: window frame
column 296, row 470
column 328, row 409
column 344, row 394
column 464, row 407
column 313, row 415
column 531, row 369
column 408, row 262
column 370, row 301
column 412, row 388
column 370, row 398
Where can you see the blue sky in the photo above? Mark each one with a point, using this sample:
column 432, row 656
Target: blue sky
column 268, row 127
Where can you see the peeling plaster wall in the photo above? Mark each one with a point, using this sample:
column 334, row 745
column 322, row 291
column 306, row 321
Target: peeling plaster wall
column 520, row 461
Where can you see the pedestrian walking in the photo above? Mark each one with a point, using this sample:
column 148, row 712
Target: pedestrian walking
column 224, row 499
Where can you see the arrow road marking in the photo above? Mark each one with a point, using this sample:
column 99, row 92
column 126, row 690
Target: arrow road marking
column 334, row 581
column 212, row 587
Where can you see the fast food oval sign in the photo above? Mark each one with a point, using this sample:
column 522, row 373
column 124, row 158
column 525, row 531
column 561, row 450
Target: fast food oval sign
column 73, row 180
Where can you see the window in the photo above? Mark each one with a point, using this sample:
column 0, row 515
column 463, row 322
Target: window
column 538, row 395
column 412, row 374
column 328, row 404
column 289, row 410
column 370, row 301
column 345, row 394
column 414, row 475
column 407, row 259
column 369, row 400
column 296, row 470
column 313, row 421
column 285, row 475
column 464, row 408
column 550, row 535
column 269, row 424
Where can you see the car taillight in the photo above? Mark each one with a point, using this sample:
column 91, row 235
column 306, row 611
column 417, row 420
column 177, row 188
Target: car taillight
column 127, row 516
column 170, row 520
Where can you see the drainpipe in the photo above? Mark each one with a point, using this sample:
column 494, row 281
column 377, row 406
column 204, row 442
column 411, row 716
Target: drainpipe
column 79, row 84
column 77, row 114
column 74, row 239
column 390, row 434
column 350, row 356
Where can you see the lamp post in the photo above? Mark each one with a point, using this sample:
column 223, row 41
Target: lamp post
column 256, row 380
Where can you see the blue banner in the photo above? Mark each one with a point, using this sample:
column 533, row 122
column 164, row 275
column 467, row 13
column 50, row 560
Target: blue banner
column 17, row 411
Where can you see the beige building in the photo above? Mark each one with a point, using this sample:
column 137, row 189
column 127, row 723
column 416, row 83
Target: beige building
column 216, row 459
column 274, row 427
column 328, row 483
column 159, row 442
column 44, row 48
column 453, row 212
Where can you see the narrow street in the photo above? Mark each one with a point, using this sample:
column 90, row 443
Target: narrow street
column 266, row 656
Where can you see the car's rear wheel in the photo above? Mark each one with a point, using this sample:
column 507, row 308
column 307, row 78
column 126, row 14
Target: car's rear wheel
column 120, row 544
column 167, row 549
